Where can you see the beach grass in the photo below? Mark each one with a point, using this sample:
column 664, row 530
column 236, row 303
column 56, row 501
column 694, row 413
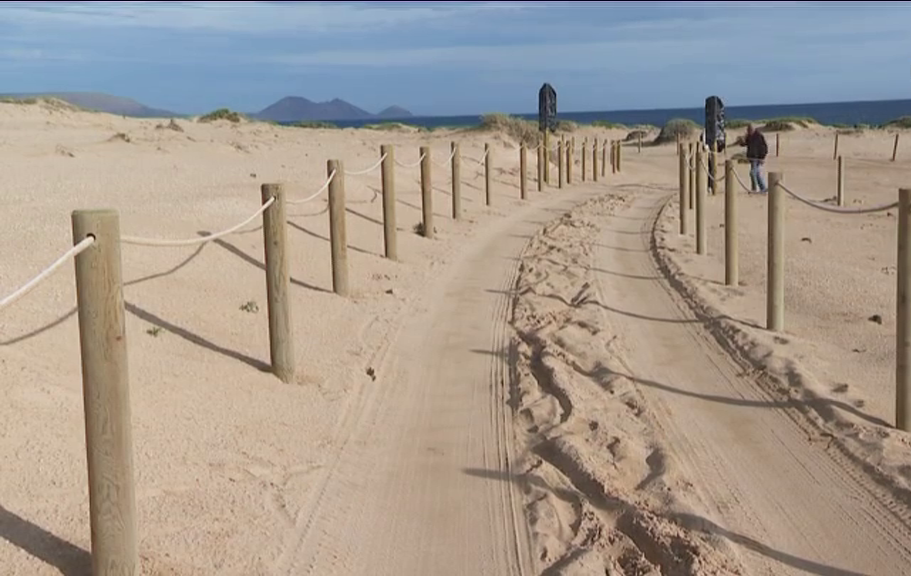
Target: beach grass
column 222, row 114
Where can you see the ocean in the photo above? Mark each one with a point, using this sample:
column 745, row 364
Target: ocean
column 849, row 113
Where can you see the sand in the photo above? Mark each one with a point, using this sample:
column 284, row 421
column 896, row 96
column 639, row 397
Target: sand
column 523, row 394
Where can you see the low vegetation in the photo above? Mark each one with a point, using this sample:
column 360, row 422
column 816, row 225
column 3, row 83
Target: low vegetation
column 517, row 128
column 222, row 114
column 22, row 101
column 608, row 125
column 635, row 135
column 395, row 127
column 901, row 122
column 315, row 125
column 682, row 128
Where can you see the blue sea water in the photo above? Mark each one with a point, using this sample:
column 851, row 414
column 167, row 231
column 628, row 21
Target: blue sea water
column 850, row 113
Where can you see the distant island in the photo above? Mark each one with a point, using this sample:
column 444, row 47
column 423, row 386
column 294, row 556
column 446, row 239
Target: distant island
column 299, row 109
column 288, row 109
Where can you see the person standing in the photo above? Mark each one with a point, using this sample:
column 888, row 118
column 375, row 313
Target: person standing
column 757, row 150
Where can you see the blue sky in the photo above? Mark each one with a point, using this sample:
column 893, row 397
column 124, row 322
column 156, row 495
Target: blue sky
column 459, row 57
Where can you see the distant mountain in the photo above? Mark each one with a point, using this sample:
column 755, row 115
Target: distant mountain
column 101, row 103
column 298, row 109
column 395, row 113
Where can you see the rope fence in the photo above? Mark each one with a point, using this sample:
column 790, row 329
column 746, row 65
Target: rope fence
column 100, row 308
column 693, row 175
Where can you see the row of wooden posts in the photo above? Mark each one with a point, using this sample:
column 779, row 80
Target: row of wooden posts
column 102, row 331
column 835, row 155
column 692, row 190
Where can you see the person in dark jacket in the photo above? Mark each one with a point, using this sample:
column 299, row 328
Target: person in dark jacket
column 757, row 149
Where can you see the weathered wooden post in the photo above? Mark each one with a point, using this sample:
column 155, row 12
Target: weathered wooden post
column 835, row 154
column 775, row 257
column 106, row 394
column 595, row 161
column 604, row 158
column 338, row 235
column 639, row 142
column 569, row 160
column 701, row 241
column 715, row 178
column 619, row 155
column 895, row 147
column 840, row 186
column 692, row 168
column 584, row 159
column 278, row 283
column 560, row 162
column 541, row 156
column 547, row 156
column 613, row 156
column 684, row 192
column 777, row 144
column 426, row 192
column 456, row 181
column 903, row 315
column 731, row 263
column 389, row 226
column 523, row 173
column 488, row 168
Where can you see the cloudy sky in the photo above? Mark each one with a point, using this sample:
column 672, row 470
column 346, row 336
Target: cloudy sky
column 459, row 57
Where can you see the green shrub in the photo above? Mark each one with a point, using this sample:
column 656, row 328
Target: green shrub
column 736, row 123
column 676, row 128
column 566, row 126
column 901, row 122
column 222, row 114
column 608, row 125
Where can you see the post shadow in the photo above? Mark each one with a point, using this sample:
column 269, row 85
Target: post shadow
column 69, row 559
column 71, row 313
column 254, row 262
column 195, row 339
column 300, row 228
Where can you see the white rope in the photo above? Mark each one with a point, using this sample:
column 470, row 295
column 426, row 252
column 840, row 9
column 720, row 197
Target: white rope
column 403, row 165
column 193, row 241
column 486, row 152
column 31, row 284
column 367, row 170
column 315, row 194
column 839, row 209
column 742, row 185
column 445, row 162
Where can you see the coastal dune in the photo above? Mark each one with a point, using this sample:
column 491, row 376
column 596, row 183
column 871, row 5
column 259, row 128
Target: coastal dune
column 591, row 434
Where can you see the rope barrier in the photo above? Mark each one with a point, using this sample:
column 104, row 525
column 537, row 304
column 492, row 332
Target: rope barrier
column 315, row 194
column 445, row 162
column 403, row 165
column 366, row 170
column 31, row 284
column 838, row 209
column 137, row 241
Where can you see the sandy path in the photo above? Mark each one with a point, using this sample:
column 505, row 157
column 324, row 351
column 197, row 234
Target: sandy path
column 789, row 505
column 408, row 492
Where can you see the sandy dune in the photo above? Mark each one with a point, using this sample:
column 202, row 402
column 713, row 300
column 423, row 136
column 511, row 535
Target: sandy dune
column 525, row 394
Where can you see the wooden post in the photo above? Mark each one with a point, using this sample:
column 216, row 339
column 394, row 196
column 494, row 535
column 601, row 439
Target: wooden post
column 700, row 203
column 541, row 156
column 835, row 154
column 731, row 263
column 677, row 138
column 106, row 395
column 840, row 186
column 895, row 147
column 903, row 315
column 278, row 283
column 684, row 192
column 488, row 167
column 338, row 236
column 584, row 159
column 560, row 162
column 775, row 256
column 456, row 181
column 523, row 169
column 426, row 192
column 639, row 142
column 777, row 144
column 547, row 156
column 595, row 161
column 569, row 160
column 692, row 169
column 604, row 158
column 713, row 159
column 619, row 155
column 389, row 225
